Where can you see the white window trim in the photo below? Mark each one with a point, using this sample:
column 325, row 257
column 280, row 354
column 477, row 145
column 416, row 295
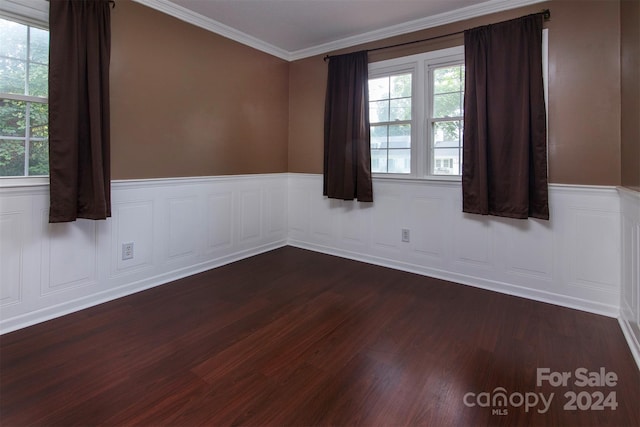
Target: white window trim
column 418, row 65
column 445, row 57
column 29, row 12
column 392, row 67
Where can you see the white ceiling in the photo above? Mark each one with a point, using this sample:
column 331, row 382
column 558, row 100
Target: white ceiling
column 293, row 29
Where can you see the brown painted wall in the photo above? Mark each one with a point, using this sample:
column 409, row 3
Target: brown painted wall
column 584, row 90
column 187, row 102
column 630, row 88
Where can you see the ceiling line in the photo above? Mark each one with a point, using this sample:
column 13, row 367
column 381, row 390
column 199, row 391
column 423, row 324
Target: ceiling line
column 184, row 14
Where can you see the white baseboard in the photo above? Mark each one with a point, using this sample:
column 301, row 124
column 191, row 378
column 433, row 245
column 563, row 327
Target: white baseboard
column 632, row 341
column 72, row 306
column 491, row 285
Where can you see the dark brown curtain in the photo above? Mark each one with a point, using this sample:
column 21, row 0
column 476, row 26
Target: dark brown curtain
column 79, row 162
column 505, row 147
column 347, row 154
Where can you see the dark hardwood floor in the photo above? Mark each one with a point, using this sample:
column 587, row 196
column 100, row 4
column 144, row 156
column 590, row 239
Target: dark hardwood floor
column 293, row 338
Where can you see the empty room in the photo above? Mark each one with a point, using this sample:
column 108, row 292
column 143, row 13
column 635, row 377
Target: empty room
column 320, row 212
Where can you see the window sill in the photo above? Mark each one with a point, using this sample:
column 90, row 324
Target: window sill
column 23, row 181
column 419, row 180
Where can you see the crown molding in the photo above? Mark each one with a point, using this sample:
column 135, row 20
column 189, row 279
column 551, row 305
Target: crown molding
column 214, row 26
column 184, row 14
column 486, row 8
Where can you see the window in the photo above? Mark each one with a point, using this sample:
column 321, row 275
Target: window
column 390, row 117
column 416, row 114
column 445, row 119
column 24, row 69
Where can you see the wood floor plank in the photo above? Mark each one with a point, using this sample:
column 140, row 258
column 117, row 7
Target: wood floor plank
column 293, row 337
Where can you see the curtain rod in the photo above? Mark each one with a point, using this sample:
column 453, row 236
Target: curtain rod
column 546, row 14
column 111, row 2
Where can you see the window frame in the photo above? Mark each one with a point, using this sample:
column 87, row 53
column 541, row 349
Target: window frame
column 430, row 161
column 419, row 66
column 394, row 70
column 34, row 13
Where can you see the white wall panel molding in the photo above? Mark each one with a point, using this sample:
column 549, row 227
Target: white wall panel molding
column 69, row 254
column 250, row 208
column 587, row 257
column 630, row 292
column 14, row 214
column 219, row 221
column 275, row 202
column 572, row 260
column 133, row 221
column 179, row 227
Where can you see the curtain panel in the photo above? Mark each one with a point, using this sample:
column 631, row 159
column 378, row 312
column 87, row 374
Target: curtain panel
column 505, row 144
column 79, row 155
column 347, row 154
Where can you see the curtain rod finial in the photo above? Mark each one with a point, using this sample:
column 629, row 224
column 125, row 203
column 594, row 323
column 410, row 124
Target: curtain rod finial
column 546, row 14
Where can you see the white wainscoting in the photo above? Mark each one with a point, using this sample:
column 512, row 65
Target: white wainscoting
column 586, row 257
column 630, row 292
column 178, row 226
column 572, row 260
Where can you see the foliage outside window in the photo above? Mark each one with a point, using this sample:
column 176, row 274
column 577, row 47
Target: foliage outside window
column 24, row 57
column 416, row 113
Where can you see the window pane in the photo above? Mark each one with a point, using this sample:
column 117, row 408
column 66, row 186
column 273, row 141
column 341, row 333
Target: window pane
column 379, row 89
column 400, row 109
column 14, row 39
column 390, row 101
column 399, row 161
column 447, row 140
column 446, row 161
column 11, row 158
column 39, row 45
column 378, row 137
column 378, row 161
column 447, row 134
column 447, row 105
column 449, row 79
column 400, row 86
column 39, row 120
column 379, row 111
column 12, row 75
column 39, row 158
column 12, row 118
column 400, row 136
column 38, row 80
column 448, row 101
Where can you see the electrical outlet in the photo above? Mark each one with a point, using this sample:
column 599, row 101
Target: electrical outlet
column 405, row 234
column 127, row 251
